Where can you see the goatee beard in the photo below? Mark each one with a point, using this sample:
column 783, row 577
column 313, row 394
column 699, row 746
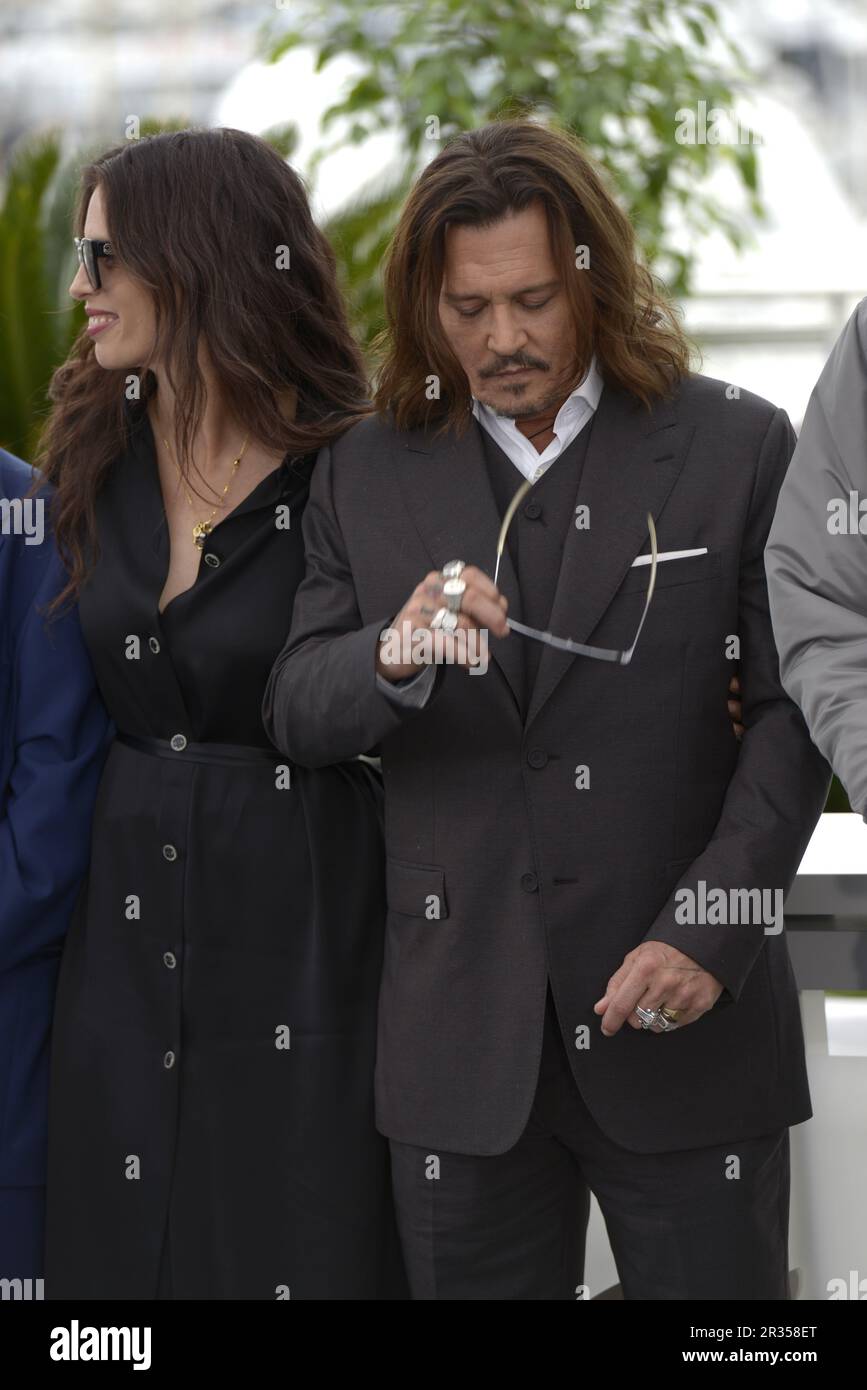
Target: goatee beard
column 549, row 404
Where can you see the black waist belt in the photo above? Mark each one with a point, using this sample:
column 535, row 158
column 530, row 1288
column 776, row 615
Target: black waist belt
column 223, row 753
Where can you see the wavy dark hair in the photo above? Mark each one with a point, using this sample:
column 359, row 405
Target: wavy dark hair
column 618, row 309
column 198, row 216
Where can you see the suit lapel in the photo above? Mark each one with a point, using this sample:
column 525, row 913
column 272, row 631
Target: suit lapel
column 446, row 488
column 633, row 459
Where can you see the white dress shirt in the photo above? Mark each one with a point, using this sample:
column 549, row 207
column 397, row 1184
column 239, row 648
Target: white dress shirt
column 572, row 416
column 577, row 409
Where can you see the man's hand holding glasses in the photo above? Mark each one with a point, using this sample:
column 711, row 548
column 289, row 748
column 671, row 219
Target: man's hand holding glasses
column 461, row 597
column 477, row 605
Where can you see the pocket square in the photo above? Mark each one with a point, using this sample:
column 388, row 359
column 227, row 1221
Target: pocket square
column 668, row 555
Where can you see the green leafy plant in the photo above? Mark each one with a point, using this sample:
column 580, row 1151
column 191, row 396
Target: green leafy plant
column 37, row 263
column 615, row 71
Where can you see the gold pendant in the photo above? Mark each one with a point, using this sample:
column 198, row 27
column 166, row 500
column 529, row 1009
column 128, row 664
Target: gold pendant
column 201, row 531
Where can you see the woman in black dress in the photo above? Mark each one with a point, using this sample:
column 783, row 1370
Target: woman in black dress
column 211, row 1128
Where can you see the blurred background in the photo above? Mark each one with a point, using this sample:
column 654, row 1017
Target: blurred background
column 734, row 136
column 756, row 216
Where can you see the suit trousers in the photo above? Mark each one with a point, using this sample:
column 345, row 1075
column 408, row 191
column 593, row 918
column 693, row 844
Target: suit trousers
column 706, row 1223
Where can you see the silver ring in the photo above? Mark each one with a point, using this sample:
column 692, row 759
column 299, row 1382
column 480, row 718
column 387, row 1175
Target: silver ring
column 648, row 1016
column 452, row 569
column 665, row 1023
column 444, row 619
column 453, row 592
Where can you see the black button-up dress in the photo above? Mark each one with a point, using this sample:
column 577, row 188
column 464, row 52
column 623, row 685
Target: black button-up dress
column 211, row 1127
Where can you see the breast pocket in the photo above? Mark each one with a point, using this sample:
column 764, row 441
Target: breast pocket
column 691, row 569
column 416, row 890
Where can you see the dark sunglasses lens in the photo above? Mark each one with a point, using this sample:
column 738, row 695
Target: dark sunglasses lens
column 89, row 261
column 91, row 265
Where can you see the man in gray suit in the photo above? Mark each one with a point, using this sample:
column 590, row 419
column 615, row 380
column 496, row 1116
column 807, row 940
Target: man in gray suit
column 585, row 983
column 816, row 561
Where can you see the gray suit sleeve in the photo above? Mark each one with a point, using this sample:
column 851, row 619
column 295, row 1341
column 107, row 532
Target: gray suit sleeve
column 322, row 703
column 780, row 782
column 817, row 563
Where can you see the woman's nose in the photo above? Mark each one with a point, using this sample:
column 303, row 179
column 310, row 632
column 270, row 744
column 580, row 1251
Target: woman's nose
column 80, row 286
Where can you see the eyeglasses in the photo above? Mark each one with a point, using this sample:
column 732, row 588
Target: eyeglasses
column 89, row 252
column 565, row 644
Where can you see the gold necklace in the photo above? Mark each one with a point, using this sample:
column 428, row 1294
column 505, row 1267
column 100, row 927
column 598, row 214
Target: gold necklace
column 203, row 529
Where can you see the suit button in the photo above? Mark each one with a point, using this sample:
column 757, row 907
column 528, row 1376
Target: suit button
column 179, row 743
column 154, row 645
column 537, row 757
column 169, row 852
column 169, row 960
column 533, row 510
column 529, row 883
column 169, row 1060
column 211, row 559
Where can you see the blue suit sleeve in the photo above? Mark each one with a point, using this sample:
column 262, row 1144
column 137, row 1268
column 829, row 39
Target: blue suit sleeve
column 60, row 734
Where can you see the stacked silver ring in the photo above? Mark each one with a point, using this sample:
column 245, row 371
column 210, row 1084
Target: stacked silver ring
column 648, row 1016
column 453, row 592
column 453, row 588
column 444, row 619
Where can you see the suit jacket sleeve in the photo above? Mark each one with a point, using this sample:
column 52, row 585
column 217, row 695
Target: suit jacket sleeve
column 60, row 737
column 322, row 702
column 415, row 690
column 780, row 782
column 817, row 571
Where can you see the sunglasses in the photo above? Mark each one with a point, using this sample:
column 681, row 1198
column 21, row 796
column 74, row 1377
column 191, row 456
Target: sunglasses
column 89, row 252
column 565, row 644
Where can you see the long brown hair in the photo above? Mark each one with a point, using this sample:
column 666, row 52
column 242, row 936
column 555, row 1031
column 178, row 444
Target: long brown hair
column 200, row 217
column 478, row 178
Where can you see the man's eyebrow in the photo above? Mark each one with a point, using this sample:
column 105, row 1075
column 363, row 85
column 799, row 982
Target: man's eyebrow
column 528, row 289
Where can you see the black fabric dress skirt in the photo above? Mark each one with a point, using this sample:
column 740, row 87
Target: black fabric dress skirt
column 211, row 1128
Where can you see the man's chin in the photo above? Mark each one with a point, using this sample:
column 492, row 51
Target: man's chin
column 516, row 405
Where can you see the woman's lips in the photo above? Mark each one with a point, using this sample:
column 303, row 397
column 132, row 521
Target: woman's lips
column 97, row 323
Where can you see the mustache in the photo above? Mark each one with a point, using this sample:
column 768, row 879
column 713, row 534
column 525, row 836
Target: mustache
column 505, row 366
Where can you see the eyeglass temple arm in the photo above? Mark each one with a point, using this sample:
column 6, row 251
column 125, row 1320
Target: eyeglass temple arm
column 512, row 508
column 564, row 644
